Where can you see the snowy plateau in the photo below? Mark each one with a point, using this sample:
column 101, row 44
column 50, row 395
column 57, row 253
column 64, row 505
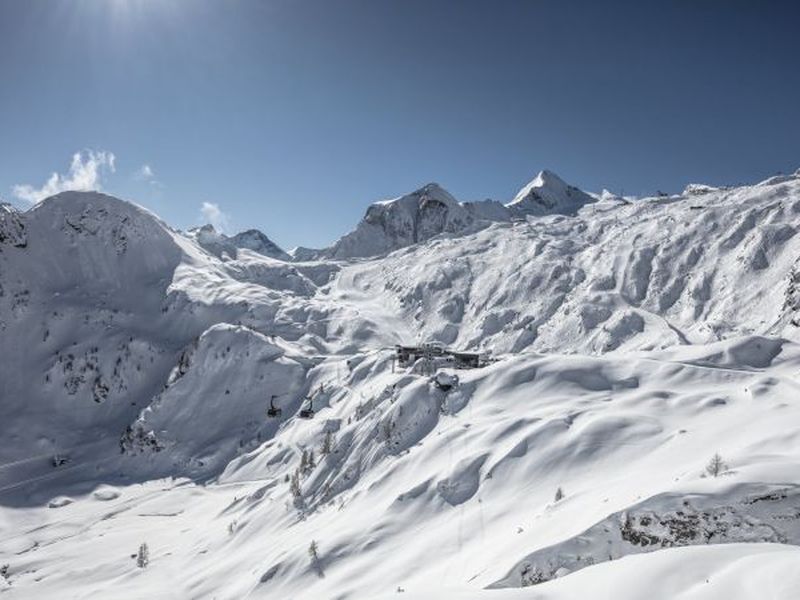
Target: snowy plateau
column 197, row 415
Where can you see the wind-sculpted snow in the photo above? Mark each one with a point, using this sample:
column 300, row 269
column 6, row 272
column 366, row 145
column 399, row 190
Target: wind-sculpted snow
column 648, row 274
column 472, row 489
column 633, row 340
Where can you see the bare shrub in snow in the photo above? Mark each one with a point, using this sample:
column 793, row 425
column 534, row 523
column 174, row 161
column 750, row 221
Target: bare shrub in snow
column 716, row 465
column 143, row 556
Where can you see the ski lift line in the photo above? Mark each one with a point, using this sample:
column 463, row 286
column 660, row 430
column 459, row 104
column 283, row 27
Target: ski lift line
column 54, row 474
column 22, row 461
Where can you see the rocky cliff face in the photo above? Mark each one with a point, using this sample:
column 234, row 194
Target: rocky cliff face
column 410, row 219
column 12, row 229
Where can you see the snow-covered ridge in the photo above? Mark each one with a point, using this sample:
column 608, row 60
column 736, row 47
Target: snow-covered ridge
column 220, row 245
column 410, row 219
column 633, row 340
column 431, row 211
column 549, row 194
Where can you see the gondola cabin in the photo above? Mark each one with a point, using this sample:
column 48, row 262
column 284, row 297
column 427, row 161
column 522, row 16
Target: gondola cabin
column 273, row 411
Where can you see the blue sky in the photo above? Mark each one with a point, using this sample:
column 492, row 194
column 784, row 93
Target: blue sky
column 291, row 115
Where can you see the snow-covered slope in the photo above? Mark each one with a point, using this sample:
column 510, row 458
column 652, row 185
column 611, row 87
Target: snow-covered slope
column 548, row 194
column 220, row 245
column 633, row 340
column 617, row 276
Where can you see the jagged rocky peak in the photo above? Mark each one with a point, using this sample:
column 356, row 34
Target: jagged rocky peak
column 549, row 194
column 392, row 224
column 12, row 227
column 219, row 244
column 255, row 240
column 303, row 254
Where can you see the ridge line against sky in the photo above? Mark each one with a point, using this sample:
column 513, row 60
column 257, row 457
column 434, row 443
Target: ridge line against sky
column 291, row 117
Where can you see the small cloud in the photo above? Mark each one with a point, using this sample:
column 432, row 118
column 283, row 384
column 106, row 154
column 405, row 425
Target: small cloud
column 145, row 172
column 85, row 174
column 148, row 175
column 213, row 214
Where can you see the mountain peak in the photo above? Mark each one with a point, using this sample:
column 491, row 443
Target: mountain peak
column 403, row 221
column 547, row 194
column 217, row 243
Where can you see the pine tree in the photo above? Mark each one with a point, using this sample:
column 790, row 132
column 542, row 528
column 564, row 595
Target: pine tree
column 304, row 461
column 327, row 444
column 313, row 551
column 313, row 554
column 294, row 485
column 311, row 461
column 143, row 557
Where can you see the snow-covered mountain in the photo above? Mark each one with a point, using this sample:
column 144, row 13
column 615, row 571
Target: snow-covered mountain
column 548, row 194
column 632, row 340
column 431, row 211
column 219, row 244
column 403, row 221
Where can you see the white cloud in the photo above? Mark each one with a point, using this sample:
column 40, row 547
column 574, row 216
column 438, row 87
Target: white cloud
column 85, row 173
column 145, row 172
column 213, row 214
